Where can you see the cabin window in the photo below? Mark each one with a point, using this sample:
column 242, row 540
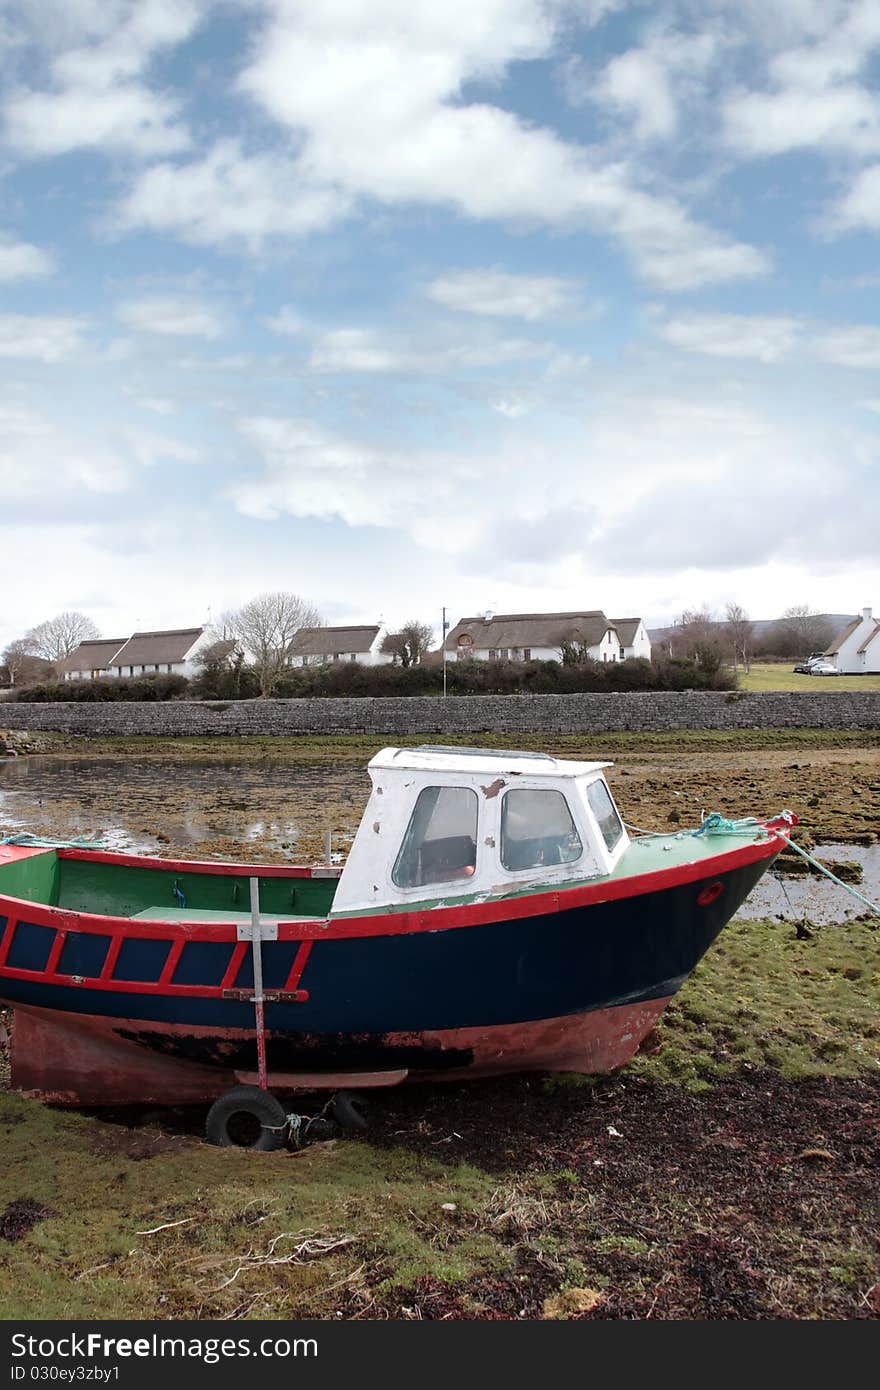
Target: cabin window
column 605, row 811
column 440, row 843
column 537, row 830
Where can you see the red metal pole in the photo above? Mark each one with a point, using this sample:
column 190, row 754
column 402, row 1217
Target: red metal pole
column 259, row 1016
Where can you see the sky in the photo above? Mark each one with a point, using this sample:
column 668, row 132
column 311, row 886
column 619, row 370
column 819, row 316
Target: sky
column 509, row 305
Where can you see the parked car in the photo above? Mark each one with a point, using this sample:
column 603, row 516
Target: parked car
column 824, row 668
column 805, row 668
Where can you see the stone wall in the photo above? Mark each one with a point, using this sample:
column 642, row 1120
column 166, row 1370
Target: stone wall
column 506, row 714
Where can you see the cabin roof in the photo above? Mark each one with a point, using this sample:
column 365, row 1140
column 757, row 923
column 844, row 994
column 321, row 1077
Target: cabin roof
column 92, row 655
column 870, row 637
column 531, row 629
column 626, row 629
column 327, row 641
column 157, row 648
column 491, row 762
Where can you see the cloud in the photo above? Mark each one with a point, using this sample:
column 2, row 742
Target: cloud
column 369, row 98
column 651, row 83
column 361, row 350
column 230, row 197
column 854, row 345
column 761, row 337
column 41, row 337
column 96, row 98
column 40, row 460
column 496, row 293
column 172, row 315
column 311, row 471
column 860, row 205
column 815, row 98
column 19, row 260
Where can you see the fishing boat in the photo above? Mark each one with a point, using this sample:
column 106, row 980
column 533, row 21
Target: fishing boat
column 494, row 914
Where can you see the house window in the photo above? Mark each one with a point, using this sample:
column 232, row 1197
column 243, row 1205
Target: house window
column 537, row 830
column 353, row 656
column 493, row 656
column 527, row 653
column 605, row 811
column 131, row 670
column 168, row 669
column 440, row 843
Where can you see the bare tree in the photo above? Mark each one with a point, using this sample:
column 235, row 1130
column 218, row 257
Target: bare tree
column 21, row 666
column 266, row 627
column 56, row 638
column 409, row 645
column 697, row 636
column 799, row 632
column 740, row 632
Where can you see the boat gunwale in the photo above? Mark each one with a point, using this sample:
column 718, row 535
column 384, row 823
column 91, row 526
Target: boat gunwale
column 443, row 916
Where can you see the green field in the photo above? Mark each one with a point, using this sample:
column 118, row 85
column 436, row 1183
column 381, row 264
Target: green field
column 780, row 676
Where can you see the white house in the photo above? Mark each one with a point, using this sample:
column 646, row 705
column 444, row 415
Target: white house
column 91, row 659
column 856, row 650
column 532, row 637
column 316, row 646
column 633, row 637
column 143, row 654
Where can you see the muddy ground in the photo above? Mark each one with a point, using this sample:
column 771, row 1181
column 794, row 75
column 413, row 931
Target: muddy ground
column 730, row 1172
column 277, row 798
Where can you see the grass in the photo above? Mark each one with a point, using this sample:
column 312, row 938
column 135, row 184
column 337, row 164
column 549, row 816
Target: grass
column 762, row 997
column 106, row 1186
column 781, row 676
column 368, row 1221
column 357, row 749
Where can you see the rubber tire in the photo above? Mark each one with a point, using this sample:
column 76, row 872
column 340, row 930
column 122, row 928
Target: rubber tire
column 247, row 1100
column 349, row 1110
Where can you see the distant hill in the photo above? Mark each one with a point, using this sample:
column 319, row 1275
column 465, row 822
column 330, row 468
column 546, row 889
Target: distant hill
column 838, row 621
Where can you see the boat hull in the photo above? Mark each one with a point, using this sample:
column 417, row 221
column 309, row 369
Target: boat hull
column 568, row 980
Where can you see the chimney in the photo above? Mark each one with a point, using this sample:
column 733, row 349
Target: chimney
column 866, row 612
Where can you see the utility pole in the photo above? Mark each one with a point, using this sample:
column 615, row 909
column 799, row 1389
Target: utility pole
column 444, row 629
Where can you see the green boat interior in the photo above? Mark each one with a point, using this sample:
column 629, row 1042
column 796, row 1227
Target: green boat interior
column 154, row 892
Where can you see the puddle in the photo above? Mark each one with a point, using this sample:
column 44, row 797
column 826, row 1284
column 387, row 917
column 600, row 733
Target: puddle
column 815, row 897
column 281, row 811
column 142, row 805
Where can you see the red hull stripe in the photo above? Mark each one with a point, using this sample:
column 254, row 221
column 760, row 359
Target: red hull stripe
column 308, row 931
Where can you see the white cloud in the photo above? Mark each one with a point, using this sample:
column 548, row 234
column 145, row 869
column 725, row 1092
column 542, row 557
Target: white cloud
column 311, row 471
column 41, row 337
column 361, row 350
column 649, row 84
column 172, row 315
column 815, row 98
column 229, row 196
column 19, row 260
column 761, row 337
column 97, row 98
column 860, row 205
column 39, row 460
column 855, row 345
column 288, row 322
column 372, row 95
column 499, row 293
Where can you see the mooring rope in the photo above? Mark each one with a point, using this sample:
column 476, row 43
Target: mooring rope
column 24, row 841
column 715, row 824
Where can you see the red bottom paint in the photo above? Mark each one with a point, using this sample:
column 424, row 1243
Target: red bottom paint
column 80, row 1059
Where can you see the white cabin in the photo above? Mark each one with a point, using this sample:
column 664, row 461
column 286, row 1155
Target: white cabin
column 446, row 823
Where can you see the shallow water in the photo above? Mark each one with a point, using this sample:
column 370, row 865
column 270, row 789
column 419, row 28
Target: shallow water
column 282, row 811
column 145, row 804
column 815, row 897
